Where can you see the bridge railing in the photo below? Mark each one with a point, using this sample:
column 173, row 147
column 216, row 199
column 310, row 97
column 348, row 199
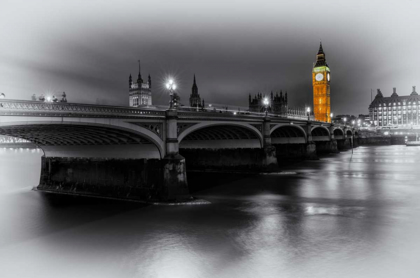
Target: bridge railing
column 10, row 107
column 217, row 112
column 23, row 107
column 12, row 140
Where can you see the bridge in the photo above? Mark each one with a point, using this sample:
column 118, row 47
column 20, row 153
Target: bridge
column 143, row 153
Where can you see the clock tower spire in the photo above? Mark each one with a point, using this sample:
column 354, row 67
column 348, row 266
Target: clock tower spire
column 321, row 87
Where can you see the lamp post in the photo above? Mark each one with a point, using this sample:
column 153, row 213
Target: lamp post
column 345, row 120
column 266, row 102
column 171, row 86
column 331, row 117
column 308, row 111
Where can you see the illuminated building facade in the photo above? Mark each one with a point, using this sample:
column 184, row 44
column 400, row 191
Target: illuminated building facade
column 140, row 93
column 395, row 111
column 321, row 87
column 277, row 103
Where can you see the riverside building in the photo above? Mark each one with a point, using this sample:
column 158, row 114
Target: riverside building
column 395, row 111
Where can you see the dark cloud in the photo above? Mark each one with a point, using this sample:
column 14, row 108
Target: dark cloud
column 235, row 48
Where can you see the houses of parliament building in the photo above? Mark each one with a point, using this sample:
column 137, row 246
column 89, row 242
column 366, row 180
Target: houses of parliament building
column 395, row 111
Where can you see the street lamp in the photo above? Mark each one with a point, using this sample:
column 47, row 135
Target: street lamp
column 345, row 120
column 308, row 111
column 266, row 102
column 171, row 86
column 331, row 117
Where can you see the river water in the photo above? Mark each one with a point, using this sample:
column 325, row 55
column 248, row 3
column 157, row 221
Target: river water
column 342, row 216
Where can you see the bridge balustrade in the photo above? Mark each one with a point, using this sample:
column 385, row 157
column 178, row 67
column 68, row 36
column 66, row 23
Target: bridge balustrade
column 19, row 107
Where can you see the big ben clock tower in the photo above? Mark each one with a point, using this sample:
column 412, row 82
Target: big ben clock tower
column 321, row 84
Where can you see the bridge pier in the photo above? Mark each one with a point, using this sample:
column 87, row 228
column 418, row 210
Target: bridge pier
column 310, row 145
column 311, row 151
column 290, row 152
column 325, row 147
column 228, row 159
column 344, row 144
column 269, row 160
column 175, row 186
column 138, row 179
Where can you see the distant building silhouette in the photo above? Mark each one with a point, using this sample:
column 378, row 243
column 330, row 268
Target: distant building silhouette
column 395, row 110
column 277, row 105
column 195, row 100
column 140, row 93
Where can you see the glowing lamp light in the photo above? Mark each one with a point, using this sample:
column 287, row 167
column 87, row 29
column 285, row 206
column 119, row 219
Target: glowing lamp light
column 266, row 101
column 48, row 99
column 308, row 109
column 171, row 85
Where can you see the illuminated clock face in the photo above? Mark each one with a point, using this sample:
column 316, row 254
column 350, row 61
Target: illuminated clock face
column 319, row 77
column 328, row 76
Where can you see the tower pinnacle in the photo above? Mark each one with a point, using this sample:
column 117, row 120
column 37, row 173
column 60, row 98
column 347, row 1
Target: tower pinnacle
column 320, row 51
column 139, row 79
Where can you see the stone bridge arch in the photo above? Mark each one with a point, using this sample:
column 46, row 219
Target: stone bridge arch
column 349, row 132
column 338, row 133
column 320, row 133
column 87, row 138
column 287, row 134
column 220, row 135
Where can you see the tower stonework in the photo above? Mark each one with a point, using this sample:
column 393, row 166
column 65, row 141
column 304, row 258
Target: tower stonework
column 140, row 93
column 321, row 87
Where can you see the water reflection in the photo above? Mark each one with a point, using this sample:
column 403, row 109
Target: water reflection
column 342, row 216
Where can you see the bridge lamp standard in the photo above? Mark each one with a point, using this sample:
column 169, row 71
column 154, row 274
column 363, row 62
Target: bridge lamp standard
column 266, row 102
column 308, row 111
column 331, row 117
column 345, row 120
column 171, row 86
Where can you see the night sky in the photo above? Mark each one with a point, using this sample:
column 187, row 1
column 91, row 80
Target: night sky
column 89, row 48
